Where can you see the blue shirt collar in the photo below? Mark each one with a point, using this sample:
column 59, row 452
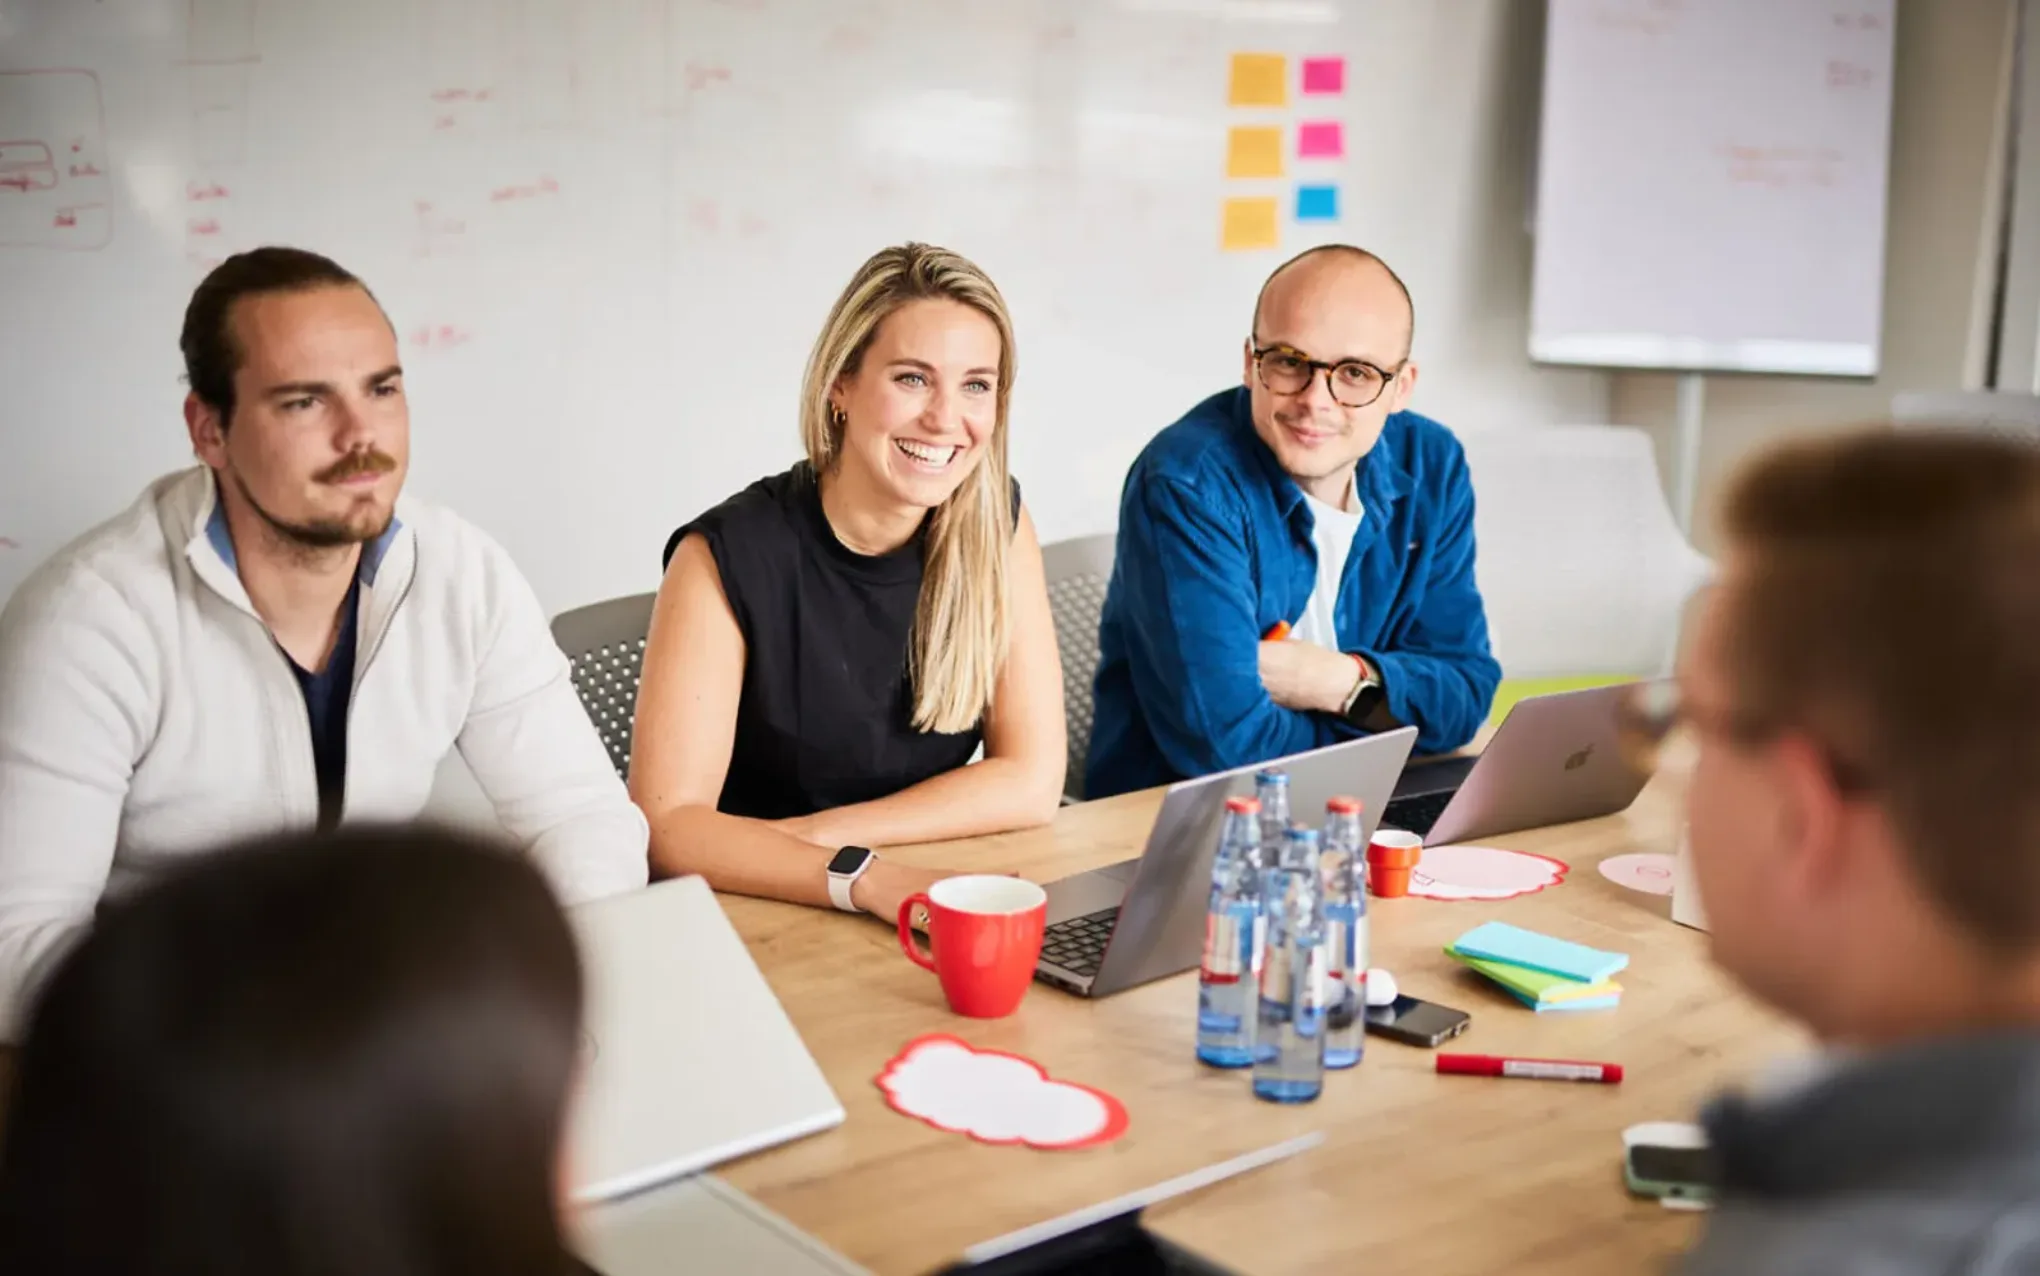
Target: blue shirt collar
column 372, row 553
column 1378, row 478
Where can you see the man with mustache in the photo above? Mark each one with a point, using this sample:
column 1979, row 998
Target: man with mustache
column 1295, row 556
column 272, row 640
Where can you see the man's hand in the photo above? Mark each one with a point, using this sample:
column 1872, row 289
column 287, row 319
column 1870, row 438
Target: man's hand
column 1305, row 676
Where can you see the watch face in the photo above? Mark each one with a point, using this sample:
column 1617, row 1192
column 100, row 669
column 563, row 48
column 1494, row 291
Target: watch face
column 848, row 860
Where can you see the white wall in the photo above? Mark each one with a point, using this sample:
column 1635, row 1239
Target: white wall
column 633, row 340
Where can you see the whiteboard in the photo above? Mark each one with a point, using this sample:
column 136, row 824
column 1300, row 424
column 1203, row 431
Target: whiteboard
column 608, row 231
column 1712, row 185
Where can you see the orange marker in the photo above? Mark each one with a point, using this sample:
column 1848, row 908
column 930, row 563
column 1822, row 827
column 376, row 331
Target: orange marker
column 1278, row 633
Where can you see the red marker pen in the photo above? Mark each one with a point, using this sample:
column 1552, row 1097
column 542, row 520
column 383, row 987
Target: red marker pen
column 1488, row 1065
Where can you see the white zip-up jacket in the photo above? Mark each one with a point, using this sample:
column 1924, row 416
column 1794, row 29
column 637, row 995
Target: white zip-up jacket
column 147, row 713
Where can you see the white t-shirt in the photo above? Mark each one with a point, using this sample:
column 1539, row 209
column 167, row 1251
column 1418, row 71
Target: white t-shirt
column 1332, row 531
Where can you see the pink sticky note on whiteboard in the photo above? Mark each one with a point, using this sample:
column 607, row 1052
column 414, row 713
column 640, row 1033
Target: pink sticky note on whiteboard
column 1320, row 139
column 1324, row 75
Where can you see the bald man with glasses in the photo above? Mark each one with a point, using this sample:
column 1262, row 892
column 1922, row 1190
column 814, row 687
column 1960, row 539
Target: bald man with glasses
column 1295, row 556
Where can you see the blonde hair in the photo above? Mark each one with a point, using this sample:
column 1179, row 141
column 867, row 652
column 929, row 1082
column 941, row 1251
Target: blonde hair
column 960, row 624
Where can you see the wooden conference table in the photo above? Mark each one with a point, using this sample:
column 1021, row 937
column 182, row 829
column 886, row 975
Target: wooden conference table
column 1418, row 1171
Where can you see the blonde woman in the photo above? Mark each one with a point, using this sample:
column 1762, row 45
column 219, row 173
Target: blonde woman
column 832, row 644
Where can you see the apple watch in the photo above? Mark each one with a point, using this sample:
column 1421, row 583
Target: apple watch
column 1365, row 697
column 845, row 867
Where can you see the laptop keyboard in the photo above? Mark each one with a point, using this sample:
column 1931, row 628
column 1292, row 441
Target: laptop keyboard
column 1417, row 812
column 1078, row 945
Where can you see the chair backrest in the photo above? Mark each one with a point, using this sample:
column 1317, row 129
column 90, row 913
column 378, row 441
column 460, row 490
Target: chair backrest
column 605, row 645
column 1078, row 571
column 1581, row 566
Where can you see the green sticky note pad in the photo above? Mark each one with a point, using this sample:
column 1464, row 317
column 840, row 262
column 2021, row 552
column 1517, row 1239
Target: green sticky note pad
column 1535, row 985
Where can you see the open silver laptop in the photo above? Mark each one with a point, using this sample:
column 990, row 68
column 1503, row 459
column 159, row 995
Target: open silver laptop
column 700, row 1224
column 1142, row 919
column 1555, row 759
column 689, row 1058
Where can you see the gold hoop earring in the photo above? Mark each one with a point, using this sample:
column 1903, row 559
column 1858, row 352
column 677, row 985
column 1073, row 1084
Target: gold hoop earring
column 837, row 417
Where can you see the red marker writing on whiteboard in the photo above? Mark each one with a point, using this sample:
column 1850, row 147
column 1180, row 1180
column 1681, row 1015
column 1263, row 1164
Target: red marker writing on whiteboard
column 1488, row 1065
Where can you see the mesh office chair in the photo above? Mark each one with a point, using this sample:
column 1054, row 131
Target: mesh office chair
column 1078, row 571
column 605, row 644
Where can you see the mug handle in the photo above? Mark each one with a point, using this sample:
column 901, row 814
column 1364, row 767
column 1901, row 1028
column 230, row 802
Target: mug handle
column 906, row 925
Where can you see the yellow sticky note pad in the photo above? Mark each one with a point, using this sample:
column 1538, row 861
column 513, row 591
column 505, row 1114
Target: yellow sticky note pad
column 1259, row 79
column 1250, row 223
column 1253, row 152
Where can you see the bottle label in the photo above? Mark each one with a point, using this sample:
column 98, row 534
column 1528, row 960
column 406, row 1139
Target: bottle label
column 1310, row 989
column 1358, row 958
column 1338, row 944
column 1275, row 973
column 1222, row 948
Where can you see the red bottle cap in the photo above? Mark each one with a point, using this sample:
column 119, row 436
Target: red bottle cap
column 1243, row 805
column 1343, row 806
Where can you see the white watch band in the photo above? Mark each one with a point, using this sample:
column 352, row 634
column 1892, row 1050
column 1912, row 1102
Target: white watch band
column 840, row 884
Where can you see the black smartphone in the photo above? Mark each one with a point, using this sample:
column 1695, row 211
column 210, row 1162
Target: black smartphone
column 1674, row 1173
column 1419, row 1023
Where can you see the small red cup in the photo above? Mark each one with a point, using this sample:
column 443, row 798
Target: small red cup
column 1390, row 857
column 984, row 937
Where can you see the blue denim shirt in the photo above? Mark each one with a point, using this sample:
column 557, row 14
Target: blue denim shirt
column 1215, row 548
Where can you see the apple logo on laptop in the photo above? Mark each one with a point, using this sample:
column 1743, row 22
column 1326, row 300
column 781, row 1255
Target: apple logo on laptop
column 1578, row 760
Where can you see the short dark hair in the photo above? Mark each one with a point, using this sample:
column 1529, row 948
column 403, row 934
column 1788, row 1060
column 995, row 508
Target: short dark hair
column 346, row 1054
column 1887, row 605
column 211, row 357
column 1341, row 250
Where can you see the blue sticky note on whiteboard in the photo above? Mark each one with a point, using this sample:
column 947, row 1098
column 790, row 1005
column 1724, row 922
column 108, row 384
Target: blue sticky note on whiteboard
column 1499, row 941
column 1317, row 203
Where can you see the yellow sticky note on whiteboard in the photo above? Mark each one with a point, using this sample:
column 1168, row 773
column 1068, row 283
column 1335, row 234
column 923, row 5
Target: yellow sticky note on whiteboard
column 1249, row 223
column 1259, row 79
column 1253, row 152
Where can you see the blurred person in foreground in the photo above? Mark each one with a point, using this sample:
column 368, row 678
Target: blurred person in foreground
column 1864, row 686
column 346, row 1054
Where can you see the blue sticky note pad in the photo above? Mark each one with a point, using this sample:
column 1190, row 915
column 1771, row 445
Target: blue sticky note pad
column 1317, row 203
column 1499, row 941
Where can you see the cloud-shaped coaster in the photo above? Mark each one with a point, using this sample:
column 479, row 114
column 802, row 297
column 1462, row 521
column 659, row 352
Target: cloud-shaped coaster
column 1483, row 872
column 995, row 1097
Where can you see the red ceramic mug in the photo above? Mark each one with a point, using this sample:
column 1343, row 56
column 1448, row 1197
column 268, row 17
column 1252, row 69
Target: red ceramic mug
column 984, row 934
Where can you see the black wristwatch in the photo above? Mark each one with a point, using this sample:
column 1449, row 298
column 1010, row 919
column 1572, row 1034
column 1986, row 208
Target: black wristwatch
column 845, row 867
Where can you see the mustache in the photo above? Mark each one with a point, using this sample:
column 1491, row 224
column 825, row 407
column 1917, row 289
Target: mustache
column 371, row 461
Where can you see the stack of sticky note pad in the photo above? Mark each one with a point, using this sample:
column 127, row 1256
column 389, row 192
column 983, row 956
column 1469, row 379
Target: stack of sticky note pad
column 1541, row 972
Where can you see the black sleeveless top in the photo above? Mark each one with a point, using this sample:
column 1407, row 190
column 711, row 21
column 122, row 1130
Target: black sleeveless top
column 826, row 715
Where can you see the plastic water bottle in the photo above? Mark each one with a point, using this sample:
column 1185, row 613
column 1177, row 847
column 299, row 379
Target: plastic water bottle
column 1271, row 790
column 1289, row 1039
column 1343, row 867
column 1233, row 932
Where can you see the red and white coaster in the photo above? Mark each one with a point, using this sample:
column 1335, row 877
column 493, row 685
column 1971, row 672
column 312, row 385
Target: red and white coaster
column 995, row 1097
column 1483, row 872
